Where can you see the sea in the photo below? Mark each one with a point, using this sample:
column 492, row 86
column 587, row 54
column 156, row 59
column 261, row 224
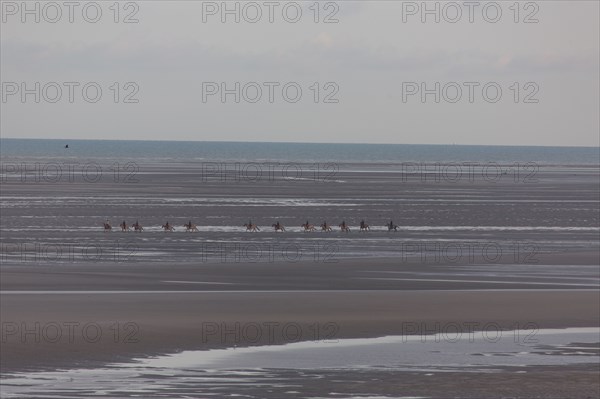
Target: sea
column 294, row 152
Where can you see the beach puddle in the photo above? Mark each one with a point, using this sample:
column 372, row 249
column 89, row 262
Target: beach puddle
column 283, row 370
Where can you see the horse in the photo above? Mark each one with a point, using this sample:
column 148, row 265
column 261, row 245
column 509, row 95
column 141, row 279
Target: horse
column 391, row 226
column 124, row 226
column 251, row 227
column 344, row 227
column 190, row 227
column 326, row 227
column 278, row 226
column 107, row 226
column 168, row 227
column 308, row 227
column 137, row 227
column 364, row 226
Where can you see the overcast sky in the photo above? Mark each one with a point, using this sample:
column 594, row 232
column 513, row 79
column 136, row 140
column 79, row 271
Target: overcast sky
column 370, row 66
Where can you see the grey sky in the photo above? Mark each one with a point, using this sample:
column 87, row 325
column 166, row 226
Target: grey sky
column 370, row 56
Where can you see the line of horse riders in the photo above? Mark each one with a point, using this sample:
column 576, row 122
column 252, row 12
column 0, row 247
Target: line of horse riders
column 191, row 227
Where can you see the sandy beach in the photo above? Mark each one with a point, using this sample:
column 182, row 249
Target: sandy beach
column 508, row 260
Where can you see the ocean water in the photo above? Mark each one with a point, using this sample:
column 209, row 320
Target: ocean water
column 294, row 152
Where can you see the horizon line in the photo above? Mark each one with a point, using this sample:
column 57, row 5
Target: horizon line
column 301, row 142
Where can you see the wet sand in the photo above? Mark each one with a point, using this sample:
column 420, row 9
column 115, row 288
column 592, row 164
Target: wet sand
column 170, row 322
column 159, row 293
